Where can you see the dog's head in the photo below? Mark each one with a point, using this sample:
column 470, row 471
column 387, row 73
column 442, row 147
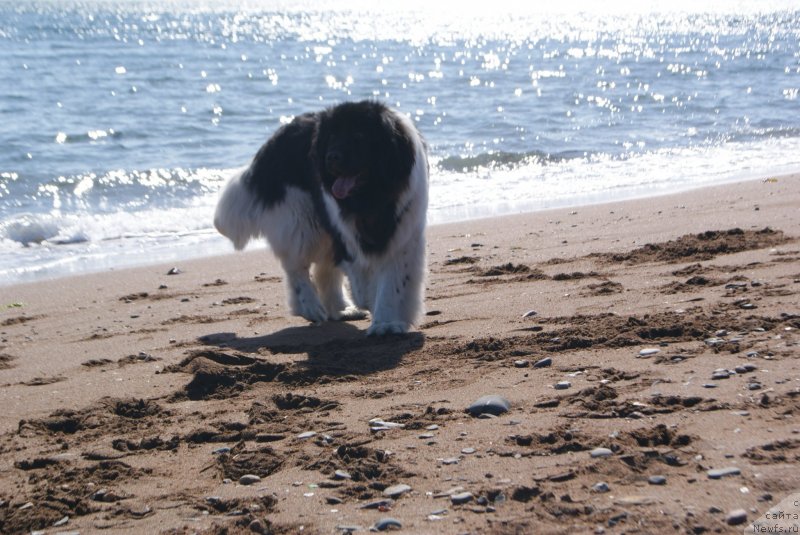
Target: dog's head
column 363, row 153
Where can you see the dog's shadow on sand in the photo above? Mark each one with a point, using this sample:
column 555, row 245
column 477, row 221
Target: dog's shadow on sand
column 333, row 348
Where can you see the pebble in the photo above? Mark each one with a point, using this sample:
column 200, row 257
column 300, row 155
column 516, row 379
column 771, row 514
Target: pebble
column 754, row 386
column 395, row 491
column 333, row 500
column 249, row 479
column 719, row 473
column 377, row 422
column 491, row 404
column 451, row 460
column 220, row 451
column 342, row 474
column 174, row 271
column 648, row 352
column 602, row 486
column 426, row 436
column 378, row 504
column 736, row 517
column 709, row 385
column 562, row 385
column 543, row 363
column 461, row 498
column 432, row 427
column 746, row 368
column 468, row 451
column 521, row 363
column 529, row 314
column 657, row 480
column 61, row 522
column 385, row 524
column 307, row 434
column 714, row 341
column 720, row 374
column 601, row 452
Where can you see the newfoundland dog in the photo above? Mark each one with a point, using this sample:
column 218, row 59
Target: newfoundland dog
column 343, row 191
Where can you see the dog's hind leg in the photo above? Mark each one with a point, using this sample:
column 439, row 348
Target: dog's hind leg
column 329, row 280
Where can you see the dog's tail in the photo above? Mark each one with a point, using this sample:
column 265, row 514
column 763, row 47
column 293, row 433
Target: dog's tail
column 236, row 215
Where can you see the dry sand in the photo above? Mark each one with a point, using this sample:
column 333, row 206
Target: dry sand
column 133, row 401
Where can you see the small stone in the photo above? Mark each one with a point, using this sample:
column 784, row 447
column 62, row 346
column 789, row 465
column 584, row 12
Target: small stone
column 395, row 491
column 657, row 480
column 709, row 385
column 378, row 504
column 432, row 427
column 386, row 524
column 333, row 500
column 220, row 451
column 174, row 271
column 754, row 386
column 601, row 452
column 648, row 352
column 425, row 436
column 736, row 517
column 714, row 341
column 61, row 522
column 601, row 487
column 562, row 385
column 491, row 404
column 341, row 474
column 249, row 479
column 529, row 314
column 461, row 498
column 521, row 363
column 468, row 451
column 746, row 368
column 719, row 473
column 720, row 374
column 543, row 363
column 450, row 460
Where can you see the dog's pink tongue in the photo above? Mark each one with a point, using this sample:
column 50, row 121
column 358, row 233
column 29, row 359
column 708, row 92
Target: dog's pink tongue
column 342, row 187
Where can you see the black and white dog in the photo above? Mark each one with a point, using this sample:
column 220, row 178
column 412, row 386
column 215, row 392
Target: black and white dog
column 344, row 190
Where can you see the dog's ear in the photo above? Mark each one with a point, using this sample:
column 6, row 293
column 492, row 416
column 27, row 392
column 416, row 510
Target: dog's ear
column 395, row 151
column 319, row 143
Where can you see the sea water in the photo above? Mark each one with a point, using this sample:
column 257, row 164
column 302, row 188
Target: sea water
column 121, row 120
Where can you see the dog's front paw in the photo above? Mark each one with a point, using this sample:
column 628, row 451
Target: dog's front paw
column 350, row 313
column 389, row 327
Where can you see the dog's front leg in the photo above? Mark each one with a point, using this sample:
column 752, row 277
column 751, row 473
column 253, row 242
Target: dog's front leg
column 395, row 301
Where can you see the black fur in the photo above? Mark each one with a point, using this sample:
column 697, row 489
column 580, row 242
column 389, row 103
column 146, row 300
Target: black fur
column 363, row 139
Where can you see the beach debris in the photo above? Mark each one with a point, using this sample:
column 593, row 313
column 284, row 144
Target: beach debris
column 719, row 473
column 174, row 271
column 450, row 460
column 529, row 314
column 395, row 491
column 543, row 363
column 306, row 435
column 522, row 363
column 249, row 479
column 601, row 452
column 468, row 451
column 492, row 404
column 461, row 498
column 562, row 385
column 657, row 480
column 745, row 368
column 736, row 517
column 378, row 424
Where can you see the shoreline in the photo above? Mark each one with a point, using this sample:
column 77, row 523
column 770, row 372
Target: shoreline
column 163, row 390
column 452, row 218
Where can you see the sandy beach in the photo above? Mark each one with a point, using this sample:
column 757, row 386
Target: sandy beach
column 648, row 351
